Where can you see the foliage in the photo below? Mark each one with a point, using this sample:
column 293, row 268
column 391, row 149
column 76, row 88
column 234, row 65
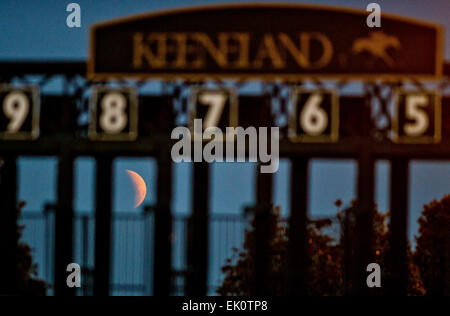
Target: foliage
column 432, row 254
column 27, row 284
column 322, row 249
column 326, row 252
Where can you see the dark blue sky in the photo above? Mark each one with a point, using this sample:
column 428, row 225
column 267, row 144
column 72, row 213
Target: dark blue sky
column 37, row 30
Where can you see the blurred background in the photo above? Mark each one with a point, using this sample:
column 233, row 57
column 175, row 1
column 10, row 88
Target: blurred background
column 36, row 30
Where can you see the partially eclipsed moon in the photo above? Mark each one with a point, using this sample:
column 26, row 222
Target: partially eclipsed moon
column 140, row 189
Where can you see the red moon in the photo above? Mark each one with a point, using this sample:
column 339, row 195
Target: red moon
column 140, row 188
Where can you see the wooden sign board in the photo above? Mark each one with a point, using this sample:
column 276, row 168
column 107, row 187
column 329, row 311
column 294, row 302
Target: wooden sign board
column 265, row 41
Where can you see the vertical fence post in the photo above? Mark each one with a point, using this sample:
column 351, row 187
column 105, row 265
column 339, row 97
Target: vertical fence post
column 162, row 249
column 348, row 249
column 298, row 254
column 447, row 268
column 48, row 246
column 364, row 222
column 64, row 224
column 103, row 226
column 198, row 232
column 85, row 253
column 8, row 226
column 263, row 234
column 398, row 281
column 147, row 244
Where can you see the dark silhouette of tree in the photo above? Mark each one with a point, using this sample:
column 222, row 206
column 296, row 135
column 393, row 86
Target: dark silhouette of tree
column 239, row 276
column 326, row 268
column 27, row 283
column 432, row 254
column 381, row 249
column 325, row 277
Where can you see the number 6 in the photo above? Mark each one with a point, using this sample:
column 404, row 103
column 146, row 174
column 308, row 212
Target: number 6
column 314, row 119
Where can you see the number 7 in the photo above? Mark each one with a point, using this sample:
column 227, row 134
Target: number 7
column 216, row 101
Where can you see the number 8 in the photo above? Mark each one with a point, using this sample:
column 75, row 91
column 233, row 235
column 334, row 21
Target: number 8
column 16, row 107
column 113, row 119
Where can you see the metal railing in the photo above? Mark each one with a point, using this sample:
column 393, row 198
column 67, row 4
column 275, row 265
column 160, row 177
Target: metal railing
column 131, row 258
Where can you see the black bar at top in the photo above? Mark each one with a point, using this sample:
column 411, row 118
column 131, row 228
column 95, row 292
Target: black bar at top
column 57, row 67
column 70, row 67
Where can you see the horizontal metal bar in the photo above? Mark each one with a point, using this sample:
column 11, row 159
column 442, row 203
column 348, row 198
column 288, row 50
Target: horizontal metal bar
column 146, row 147
column 379, row 150
column 79, row 147
column 414, row 151
column 67, row 68
column 71, row 67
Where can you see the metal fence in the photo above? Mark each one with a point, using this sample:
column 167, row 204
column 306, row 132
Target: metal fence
column 132, row 252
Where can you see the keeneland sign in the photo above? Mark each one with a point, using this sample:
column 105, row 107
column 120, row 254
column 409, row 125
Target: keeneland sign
column 180, row 50
column 285, row 41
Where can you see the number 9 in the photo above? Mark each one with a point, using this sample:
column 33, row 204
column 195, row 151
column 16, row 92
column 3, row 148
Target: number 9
column 16, row 107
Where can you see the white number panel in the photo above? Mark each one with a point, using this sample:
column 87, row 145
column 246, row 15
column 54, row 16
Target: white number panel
column 19, row 112
column 114, row 113
column 314, row 116
column 417, row 117
column 215, row 107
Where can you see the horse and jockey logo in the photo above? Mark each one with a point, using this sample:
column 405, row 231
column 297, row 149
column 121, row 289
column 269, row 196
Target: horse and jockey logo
column 377, row 44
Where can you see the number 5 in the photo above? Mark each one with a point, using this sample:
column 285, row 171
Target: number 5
column 414, row 112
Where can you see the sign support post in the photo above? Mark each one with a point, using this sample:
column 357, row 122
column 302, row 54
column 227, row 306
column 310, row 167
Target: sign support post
column 162, row 279
column 103, row 223
column 398, row 242
column 198, row 245
column 64, row 229
column 8, row 224
column 298, row 251
column 263, row 234
column 364, row 222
